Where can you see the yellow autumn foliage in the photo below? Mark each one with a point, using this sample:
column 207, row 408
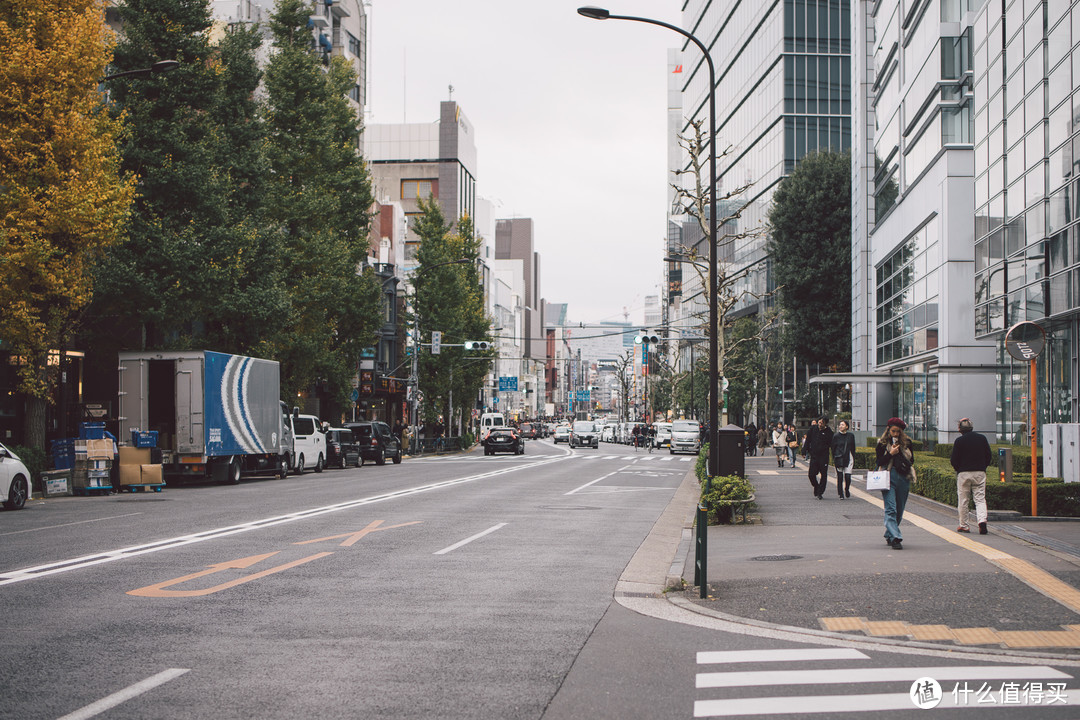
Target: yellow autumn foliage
column 62, row 196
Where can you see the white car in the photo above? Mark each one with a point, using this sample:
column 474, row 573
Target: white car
column 14, row 480
column 562, row 434
column 685, row 436
column 309, row 444
column 663, row 434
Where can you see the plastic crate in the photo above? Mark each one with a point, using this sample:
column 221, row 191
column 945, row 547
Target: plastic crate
column 144, row 438
column 63, row 453
column 92, row 431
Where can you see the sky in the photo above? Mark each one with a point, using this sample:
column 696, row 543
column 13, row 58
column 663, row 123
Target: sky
column 570, row 116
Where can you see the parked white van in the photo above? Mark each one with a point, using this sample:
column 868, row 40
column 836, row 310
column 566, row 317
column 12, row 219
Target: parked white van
column 309, row 443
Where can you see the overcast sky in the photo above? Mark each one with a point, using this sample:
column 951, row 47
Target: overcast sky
column 570, row 117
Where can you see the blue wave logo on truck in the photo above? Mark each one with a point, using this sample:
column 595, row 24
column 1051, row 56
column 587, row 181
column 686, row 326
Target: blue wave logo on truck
column 234, row 394
column 243, row 413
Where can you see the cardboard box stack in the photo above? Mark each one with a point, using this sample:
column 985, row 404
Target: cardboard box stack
column 137, row 467
column 93, row 464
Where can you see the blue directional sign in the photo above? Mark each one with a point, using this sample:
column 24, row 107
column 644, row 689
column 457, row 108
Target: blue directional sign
column 582, row 395
column 508, row 384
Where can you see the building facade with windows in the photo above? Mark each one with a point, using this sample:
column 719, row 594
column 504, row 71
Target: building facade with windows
column 783, row 90
column 1026, row 70
column 914, row 350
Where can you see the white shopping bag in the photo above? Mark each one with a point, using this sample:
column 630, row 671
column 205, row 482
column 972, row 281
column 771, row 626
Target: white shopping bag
column 877, row 480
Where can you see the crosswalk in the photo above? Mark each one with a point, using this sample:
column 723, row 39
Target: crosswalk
column 643, row 458
column 841, row 674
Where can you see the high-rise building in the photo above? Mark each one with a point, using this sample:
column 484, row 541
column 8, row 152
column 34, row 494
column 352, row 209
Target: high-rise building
column 783, row 89
column 514, row 240
column 914, row 348
column 1026, row 70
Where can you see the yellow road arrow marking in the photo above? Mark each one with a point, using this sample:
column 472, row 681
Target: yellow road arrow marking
column 159, row 589
column 353, row 537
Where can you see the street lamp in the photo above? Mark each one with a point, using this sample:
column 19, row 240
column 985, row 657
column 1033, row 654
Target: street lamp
column 597, row 13
column 159, row 67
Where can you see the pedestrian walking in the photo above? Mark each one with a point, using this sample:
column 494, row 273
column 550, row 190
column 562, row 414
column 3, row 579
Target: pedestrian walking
column 895, row 454
column 970, row 457
column 751, row 439
column 843, row 454
column 762, row 439
column 817, row 444
column 792, row 443
column 779, row 443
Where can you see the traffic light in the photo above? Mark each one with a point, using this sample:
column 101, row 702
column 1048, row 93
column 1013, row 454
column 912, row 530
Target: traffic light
column 477, row 345
column 647, row 339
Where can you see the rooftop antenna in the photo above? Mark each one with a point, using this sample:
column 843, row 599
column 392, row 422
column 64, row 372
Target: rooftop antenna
column 451, row 92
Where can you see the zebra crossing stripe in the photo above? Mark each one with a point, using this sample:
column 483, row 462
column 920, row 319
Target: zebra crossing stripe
column 873, row 675
column 832, row 704
column 780, row 655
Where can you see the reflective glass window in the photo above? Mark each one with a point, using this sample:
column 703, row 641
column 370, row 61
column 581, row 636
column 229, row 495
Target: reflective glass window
column 1034, row 71
column 1035, row 146
column 1060, row 125
column 1060, row 84
column 1058, row 247
column 1058, row 43
column 1035, row 184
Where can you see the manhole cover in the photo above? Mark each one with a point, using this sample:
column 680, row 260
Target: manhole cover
column 777, row 557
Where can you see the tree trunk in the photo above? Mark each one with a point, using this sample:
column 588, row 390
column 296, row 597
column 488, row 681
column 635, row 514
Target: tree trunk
column 34, row 422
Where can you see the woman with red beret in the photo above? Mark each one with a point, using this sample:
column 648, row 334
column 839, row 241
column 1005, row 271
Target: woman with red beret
column 895, row 454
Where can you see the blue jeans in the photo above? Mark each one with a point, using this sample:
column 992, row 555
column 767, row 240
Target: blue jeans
column 895, row 499
column 791, row 455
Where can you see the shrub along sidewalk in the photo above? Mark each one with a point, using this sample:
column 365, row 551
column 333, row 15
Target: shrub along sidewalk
column 937, row 481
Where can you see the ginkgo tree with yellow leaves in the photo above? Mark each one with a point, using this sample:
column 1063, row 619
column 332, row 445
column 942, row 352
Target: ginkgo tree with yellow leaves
column 63, row 197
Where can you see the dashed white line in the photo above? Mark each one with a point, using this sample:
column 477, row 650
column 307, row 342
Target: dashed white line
column 468, row 540
column 124, row 695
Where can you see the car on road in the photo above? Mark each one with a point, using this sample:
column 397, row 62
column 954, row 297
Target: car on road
column 663, row 434
column 685, row 436
column 342, row 448
column 584, row 433
column 562, row 434
column 376, row 441
column 528, row 431
column 14, row 480
column 503, row 439
column 309, row 443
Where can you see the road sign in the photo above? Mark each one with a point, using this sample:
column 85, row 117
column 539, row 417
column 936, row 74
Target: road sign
column 355, row 394
column 1025, row 341
column 508, row 384
column 436, row 342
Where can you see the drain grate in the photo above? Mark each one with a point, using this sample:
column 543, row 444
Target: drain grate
column 767, row 558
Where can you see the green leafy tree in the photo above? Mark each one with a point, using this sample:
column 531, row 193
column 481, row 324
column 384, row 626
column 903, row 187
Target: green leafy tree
column 318, row 201
column 810, row 248
column 199, row 268
column 63, row 195
column 449, row 298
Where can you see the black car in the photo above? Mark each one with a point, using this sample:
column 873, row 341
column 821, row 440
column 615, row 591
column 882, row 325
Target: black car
column 584, row 433
column 342, row 449
column 376, row 441
column 503, row 439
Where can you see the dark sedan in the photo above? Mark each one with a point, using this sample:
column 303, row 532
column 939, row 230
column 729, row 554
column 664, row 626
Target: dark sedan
column 503, row 439
column 342, row 448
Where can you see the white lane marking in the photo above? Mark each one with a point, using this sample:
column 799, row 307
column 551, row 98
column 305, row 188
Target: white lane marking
column 111, row 701
column 80, row 522
column 468, row 540
column 778, row 655
column 110, row 556
column 593, row 482
column 874, row 675
column 833, row 704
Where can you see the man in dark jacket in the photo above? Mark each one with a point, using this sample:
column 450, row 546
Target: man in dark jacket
column 818, row 442
column 970, row 457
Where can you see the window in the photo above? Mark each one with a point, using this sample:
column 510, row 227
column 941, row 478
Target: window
column 415, row 189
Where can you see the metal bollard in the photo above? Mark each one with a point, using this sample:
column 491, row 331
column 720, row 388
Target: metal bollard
column 702, row 551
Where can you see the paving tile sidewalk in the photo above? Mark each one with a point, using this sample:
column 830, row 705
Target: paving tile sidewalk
column 824, row 564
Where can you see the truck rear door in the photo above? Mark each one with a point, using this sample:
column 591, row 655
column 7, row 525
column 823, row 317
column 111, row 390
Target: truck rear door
column 190, row 420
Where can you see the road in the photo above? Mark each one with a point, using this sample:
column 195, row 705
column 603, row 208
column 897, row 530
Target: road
column 453, row 587
column 447, row 587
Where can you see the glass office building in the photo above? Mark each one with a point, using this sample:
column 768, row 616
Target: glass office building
column 1027, row 244
column 915, row 354
column 783, row 89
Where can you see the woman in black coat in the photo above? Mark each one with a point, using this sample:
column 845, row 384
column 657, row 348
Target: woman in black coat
column 843, row 453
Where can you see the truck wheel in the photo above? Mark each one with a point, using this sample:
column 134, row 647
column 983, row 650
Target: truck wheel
column 17, row 494
column 319, row 464
column 233, row 474
column 299, row 468
column 380, row 459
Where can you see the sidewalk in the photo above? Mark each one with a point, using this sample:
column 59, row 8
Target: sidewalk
column 824, row 565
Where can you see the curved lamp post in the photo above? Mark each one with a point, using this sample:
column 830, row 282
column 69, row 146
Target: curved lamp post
column 159, row 67
column 597, row 13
